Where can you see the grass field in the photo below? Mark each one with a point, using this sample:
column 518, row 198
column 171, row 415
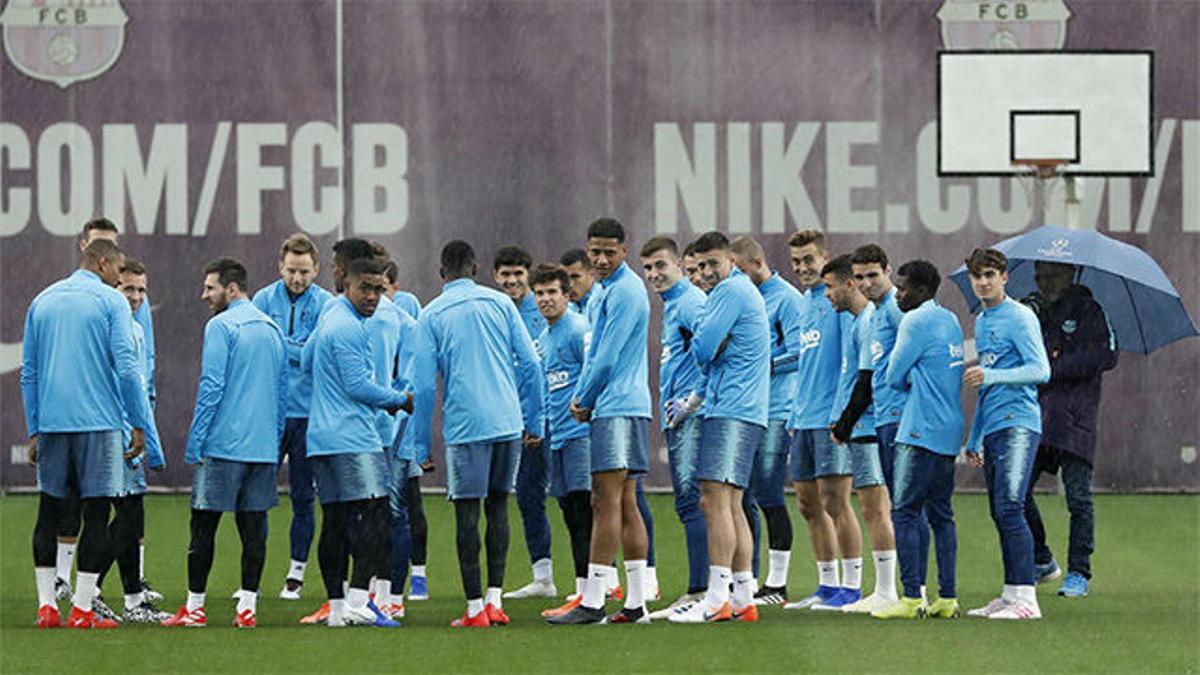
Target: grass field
column 1143, row 614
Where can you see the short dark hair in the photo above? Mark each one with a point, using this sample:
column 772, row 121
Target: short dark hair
column 869, row 253
column 299, row 244
column 548, row 273
column 806, row 237
column 656, row 244
column 576, row 256
column 457, row 257
column 841, row 267
column 228, row 271
column 711, row 241
column 97, row 224
column 134, row 266
column 512, row 255
column 380, row 251
column 101, row 249
column 921, row 273
column 607, row 228
column 690, row 249
column 982, row 258
column 368, row 265
column 351, row 249
column 391, row 271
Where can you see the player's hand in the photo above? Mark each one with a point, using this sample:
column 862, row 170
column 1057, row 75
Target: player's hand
column 680, row 409
column 531, row 441
column 834, row 437
column 428, row 466
column 973, row 376
column 137, row 444
column 33, row 448
column 407, row 406
column 580, row 414
column 974, row 459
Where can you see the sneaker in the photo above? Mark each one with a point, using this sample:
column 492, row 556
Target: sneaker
column 749, row 614
column 495, row 615
column 245, row 619
column 48, row 617
column 578, row 616
column 534, row 589
column 82, row 619
column 1017, row 610
column 571, row 603
column 145, row 612
column 904, row 608
column 291, row 589
column 394, row 611
column 822, row 594
column 367, row 615
column 480, row 620
column 615, row 593
column 183, row 617
column 944, row 608
column 682, row 604
column 701, row 612
column 62, row 589
column 989, row 609
column 319, row 616
column 418, row 589
column 844, row 596
column 148, row 593
column 771, row 595
column 627, row 615
column 871, row 603
column 1074, row 586
column 1047, row 573
column 103, row 611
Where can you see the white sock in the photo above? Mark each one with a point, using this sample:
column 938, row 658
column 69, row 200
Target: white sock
column 474, row 606
column 580, row 584
column 345, row 589
column 296, row 570
column 45, row 584
column 65, row 559
column 597, row 585
column 827, row 573
column 719, row 579
column 85, row 590
column 195, row 601
column 1027, row 595
column 337, row 612
column 613, row 580
column 924, row 595
column 852, row 573
column 543, row 571
column 357, row 598
column 778, row 568
column 247, row 600
column 493, row 597
column 141, row 561
column 744, row 588
column 1009, row 593
column 650, row 579
column 635, row 587
column 383, row 593
column 133, row 600
column 885, row 573
column 418, row 570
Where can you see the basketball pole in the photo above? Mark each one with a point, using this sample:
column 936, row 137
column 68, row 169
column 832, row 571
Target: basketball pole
column 1072, row 202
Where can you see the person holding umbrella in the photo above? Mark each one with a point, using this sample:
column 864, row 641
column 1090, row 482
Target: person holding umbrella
column 1081, row 346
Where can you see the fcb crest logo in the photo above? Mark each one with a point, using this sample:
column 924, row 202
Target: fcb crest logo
column 1004, row 24
column 63, row 41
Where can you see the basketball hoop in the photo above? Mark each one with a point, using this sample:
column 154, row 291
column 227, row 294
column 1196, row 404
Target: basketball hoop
column 1044, row 168
column 1047, row 170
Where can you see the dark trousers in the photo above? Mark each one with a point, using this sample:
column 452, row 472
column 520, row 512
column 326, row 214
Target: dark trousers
column 1077, row 487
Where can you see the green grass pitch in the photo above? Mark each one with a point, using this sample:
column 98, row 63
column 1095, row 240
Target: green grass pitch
column 1143, row 614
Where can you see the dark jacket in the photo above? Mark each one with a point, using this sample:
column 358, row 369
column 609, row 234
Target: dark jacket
column 1081, row 346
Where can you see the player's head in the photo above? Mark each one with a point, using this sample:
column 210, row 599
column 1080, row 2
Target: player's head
column 579, row 267
column 510, row 270
column 691, row 268
column 345, row 252
column 224, row 282
column 872, row 272
column 391, row 272
column 97, row 228
column 105, row 258
column 808, row 255
column 988, row 269
column 713, row 257
column 298, row 263
column 458, row 261
column 1053, row 278
column 660, row 263
column 751, row 259
column 916, row 282
column 550, row 284
column 606, row 246
column 841, row 288
column 366, row 282
column 133, row 283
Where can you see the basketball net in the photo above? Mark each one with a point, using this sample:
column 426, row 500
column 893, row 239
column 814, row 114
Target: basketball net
column 1046, row 173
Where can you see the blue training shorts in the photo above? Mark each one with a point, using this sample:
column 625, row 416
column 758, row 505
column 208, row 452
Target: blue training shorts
column 868, row 469
column 89, row 464
column 727, row 450
column 815, row 455
column 475, row 469
column 570, row 467
column 227, row 486
column 620, row 443
column 770, row 474
column 351, row 477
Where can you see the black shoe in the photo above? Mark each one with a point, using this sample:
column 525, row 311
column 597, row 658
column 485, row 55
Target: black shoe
column 771, row 595
column 626, row 615
column 578, row 616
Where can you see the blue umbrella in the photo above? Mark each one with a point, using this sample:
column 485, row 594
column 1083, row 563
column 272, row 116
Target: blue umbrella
column 1143, row 307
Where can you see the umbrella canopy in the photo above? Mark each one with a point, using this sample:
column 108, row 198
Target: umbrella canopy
column 1144, row 309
